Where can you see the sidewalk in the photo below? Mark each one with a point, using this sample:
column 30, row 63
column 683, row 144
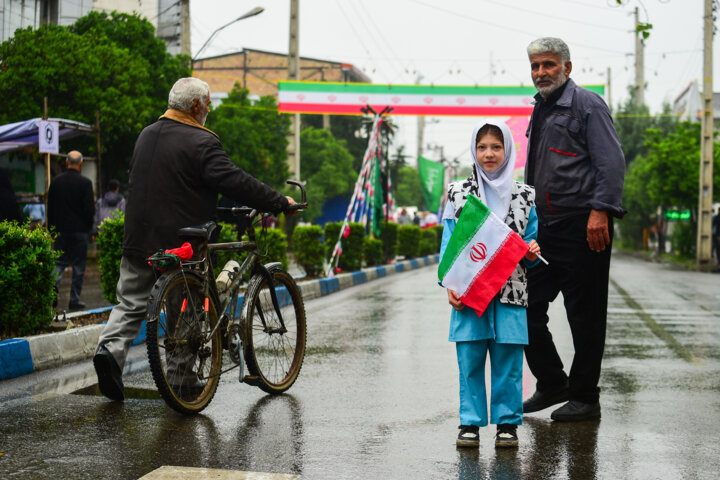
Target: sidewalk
column 21, row 356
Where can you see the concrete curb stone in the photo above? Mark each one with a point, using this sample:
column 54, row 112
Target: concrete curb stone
column 21, row 356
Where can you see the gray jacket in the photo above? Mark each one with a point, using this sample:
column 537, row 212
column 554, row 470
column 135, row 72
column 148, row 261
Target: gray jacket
column 579, row 164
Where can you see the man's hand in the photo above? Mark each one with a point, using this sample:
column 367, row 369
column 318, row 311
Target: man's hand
column 533, row 251
column 598, row 235
column 454, row 300
column 291, row 213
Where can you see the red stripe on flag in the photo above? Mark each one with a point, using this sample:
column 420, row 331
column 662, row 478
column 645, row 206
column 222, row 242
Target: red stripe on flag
column 488, row 281
column 354, row 109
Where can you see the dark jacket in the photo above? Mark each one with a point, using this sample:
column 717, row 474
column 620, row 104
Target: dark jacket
column 176, row 173
column 70, row 203
column 9, row 209
column 578, row 164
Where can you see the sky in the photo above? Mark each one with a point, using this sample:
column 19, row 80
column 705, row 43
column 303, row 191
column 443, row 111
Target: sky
column 472, row 42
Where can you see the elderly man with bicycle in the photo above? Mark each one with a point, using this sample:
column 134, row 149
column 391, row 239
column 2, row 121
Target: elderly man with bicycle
column 177, row 170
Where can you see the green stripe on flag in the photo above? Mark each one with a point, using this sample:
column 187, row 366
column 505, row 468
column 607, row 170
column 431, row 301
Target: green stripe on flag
column 328, row 87
column 472, row 217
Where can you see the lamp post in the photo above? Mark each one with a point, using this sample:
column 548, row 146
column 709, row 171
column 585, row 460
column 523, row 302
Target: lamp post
column 251, row 13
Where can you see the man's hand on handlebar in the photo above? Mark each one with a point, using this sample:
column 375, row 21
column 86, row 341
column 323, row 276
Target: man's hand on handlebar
column 291, row 212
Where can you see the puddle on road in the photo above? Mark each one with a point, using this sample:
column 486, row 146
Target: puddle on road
column 130, row 392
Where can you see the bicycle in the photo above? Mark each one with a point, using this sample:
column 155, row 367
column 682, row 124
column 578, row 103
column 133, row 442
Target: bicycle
column 192, row 317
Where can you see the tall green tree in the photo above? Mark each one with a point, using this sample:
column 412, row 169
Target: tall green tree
column 111, row 63
column 254, row 135
column 408, row 190
column 348, row 128
column 632, row 120
column 327, row 166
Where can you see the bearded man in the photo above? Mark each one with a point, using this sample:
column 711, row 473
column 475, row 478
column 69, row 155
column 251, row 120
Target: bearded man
column 577, row 168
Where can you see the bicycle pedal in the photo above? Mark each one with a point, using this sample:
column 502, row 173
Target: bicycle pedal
column 251, row 380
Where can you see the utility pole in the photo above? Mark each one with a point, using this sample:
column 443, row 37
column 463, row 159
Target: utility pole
column 704, row 245
column 639, row 63
column 294, row 74
column 185, row 28
column 608, row 93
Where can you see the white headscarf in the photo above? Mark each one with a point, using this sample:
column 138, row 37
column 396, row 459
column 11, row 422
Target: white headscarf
column 493, row 189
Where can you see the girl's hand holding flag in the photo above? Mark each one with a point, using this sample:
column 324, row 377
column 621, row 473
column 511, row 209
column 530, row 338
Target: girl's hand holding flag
column 533, row 251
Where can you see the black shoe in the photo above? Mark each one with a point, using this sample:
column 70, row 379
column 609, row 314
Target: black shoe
column 469, row 436
column 506, row 436
column 109, row 375
column 77, row 306
column 542, row 400
column 576, row 411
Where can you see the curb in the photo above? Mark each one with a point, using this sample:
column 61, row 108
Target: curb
column 21, row 356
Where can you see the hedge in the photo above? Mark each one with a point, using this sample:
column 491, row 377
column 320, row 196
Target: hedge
column 308, row 249
column 27, row 282
column 408, row 241
column 109, row 244
column 372, row 251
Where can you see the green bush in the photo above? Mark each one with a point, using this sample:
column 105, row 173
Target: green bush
column 308, row 249
column 428, row 242
column 373, row 251
column 228, row 233
column 331, row 232
column 408, row 241
column 351, row 258
column 438, row 229
column 109, row 244
column 273, row 245
column 684, row 239
column 389, row 240
column 26, row 279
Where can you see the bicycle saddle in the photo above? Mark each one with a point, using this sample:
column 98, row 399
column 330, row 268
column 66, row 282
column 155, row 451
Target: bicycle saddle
column 206, row 231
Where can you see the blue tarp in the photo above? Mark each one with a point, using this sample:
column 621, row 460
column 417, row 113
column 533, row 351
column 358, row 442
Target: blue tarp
column 19, row 135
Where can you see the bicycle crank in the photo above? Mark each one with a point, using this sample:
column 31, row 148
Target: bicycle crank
column 235, row 348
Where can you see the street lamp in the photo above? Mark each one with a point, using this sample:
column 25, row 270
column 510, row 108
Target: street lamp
column 251, row 13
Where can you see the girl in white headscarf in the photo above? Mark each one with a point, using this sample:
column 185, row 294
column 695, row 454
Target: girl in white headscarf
column 502, row 328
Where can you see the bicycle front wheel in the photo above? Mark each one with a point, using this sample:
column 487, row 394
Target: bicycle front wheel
column 185, row 355
column 274, row 344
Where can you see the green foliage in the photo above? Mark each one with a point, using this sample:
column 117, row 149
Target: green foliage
column 631, row 122
column 109, row 244
column 684, row 239
column 228, row 233
column 273, row 245
column 428, row 242
column 347, row 129
column 667, row 176
column 351, row 257
column 111, row 63
column 408, row 241
column 372, row 251
column 331, row 232
column 308, row 249
column 328, row 168
column 438, row 229
column 254, row 135
column 408, row 189
column 26, row 278
column 352, row 248
column 389, row 240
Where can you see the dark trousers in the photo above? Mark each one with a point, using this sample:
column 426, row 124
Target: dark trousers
column 74, row 247
column 582, row 277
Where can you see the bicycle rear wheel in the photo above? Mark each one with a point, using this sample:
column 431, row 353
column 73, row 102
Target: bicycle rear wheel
column 185, row 358
column 274, row 353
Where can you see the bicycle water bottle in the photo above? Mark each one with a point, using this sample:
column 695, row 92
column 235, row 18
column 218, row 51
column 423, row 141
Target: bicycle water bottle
column 223, row 280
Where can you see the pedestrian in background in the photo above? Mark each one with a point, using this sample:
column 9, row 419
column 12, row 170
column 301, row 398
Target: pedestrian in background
column 404, row 217
column 35, row 212
column 70, row 213
column 501, row 330
column 177, row 169
column 577, row 167
column 112, row 201
column 9, row 209
column 716, row 235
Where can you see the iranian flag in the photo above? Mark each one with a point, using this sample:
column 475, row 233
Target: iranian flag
column 481, row 255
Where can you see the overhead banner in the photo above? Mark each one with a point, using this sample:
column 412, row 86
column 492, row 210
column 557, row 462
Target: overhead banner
column 421, row 100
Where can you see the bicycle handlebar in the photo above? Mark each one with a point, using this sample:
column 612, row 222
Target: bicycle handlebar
column 252, row 212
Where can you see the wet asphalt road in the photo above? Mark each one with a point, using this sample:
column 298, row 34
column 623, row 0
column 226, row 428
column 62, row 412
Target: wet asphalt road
column 377, row 398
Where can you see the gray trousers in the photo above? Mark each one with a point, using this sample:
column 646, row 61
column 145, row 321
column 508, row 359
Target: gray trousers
column 133, row 290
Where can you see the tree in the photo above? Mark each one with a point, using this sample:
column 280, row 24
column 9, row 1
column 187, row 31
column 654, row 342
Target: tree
column 328, row 168
column 348, row 128
column 254, row 135
column 666, row 177
column 631, row 122
column 111, row 63
column 408, row 190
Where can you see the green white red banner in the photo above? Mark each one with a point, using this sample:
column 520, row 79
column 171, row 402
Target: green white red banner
column 422, row 100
